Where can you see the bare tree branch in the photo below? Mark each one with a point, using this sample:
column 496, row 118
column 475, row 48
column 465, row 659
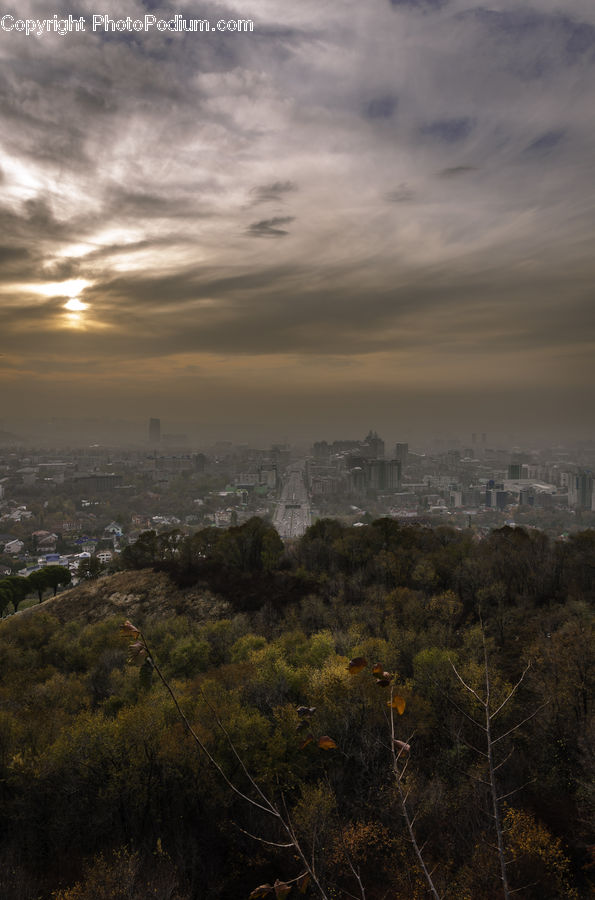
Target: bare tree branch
column 512, row 693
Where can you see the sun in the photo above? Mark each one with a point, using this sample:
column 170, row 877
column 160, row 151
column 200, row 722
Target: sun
column 75, row 305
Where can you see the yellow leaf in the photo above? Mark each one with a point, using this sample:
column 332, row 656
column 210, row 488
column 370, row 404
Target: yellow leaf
column 308, row 740
column 378, row 669
column 261, row 891
column 326, row 743
column 356, row 665
column 397, row 703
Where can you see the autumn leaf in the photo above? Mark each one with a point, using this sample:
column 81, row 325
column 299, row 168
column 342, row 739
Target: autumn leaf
column 402, row 746
column 304, row 712
column 261, row 891
column 138, row 652
column 356, row 665
column 397, row 703
column 308, row 740
column 385, row 680
column 326, row 743
column 281, row 889
column 378, row 669
column 303, row 882
column 129, row 628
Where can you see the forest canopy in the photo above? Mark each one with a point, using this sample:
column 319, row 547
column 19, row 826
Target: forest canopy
column 306, row 665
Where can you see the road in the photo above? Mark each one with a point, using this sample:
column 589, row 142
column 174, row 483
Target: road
column 292, row 515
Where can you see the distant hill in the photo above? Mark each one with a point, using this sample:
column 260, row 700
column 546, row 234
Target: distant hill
column 141, row 595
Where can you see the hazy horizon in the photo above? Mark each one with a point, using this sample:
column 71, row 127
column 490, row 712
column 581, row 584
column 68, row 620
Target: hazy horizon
column 351, row 217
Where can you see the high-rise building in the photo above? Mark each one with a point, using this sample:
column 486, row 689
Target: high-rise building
column 580, row 490
column 384, row 474
column 155, row 430
column 401, row 452
column 375, row 445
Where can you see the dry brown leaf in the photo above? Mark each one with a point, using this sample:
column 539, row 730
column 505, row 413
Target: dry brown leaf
column 356, row 665
column 281, row 889
column 402, row 746
column 303, row 882
column 308, row 740
column 138, row 652
column 261, row 891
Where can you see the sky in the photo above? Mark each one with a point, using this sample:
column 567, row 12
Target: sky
column 356, row 215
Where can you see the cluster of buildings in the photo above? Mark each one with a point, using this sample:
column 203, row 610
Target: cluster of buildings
column 443, row 478
column 75, row 503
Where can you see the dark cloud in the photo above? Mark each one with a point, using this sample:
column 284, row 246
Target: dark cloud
column 10, row 254
column 274, row 192
column 270, row 227
column 542, row 40
column 456, row 171
column 401, row 194
column 382, row 107
column 450, row 131
column 545, row 142
column 423, row 5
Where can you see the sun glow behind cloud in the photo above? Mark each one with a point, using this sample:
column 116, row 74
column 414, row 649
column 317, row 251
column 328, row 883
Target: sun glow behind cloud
column 387, row 200
column 71, row 288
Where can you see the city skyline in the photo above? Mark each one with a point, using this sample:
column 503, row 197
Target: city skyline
column 345, row 218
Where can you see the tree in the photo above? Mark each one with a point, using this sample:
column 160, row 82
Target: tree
column 144, row 553
column 256, row 798
column 57, row 575
column 20, row 589
column 489, row 710
column 38, row 582
column 6, row 596
column 250, row 547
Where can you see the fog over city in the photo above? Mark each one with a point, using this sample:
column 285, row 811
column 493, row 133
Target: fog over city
column 353, row 215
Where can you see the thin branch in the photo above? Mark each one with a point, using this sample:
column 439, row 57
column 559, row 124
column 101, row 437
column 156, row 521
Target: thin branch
column 267, row 809
column 476, row 778
column 403, row 798
column 475, row 749
column 505, row 760
column 517, row 726
column 524, row 887
column 516, row 790
column 235, row 752
column 468, row 687
column 462, row 711
column 512, row 693
column 262, row 840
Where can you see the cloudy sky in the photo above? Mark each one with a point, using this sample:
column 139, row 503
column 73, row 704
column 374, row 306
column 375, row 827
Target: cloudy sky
column 358, row 215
